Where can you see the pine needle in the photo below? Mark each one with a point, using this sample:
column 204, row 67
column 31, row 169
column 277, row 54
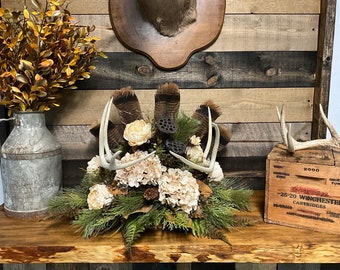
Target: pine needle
column 67, row 204
column 177, row 220
column 187, row 126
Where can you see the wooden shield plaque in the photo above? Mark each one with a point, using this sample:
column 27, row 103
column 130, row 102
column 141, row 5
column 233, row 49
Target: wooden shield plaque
column 166, row 52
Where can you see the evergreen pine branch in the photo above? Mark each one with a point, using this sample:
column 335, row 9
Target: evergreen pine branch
column 235, row 198
column 186, row 127
column 67, row 203
column 96, row 221
column 219, row 215
column 177, row 220
column 124, row 205
column 198, row 228
column 138, row 223
column 232, row 192
column 203, row 228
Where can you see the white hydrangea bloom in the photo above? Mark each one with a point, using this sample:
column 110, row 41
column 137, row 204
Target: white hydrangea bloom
column 94, row 164
column 146, row 172
column 179, row 188
column 99, row 196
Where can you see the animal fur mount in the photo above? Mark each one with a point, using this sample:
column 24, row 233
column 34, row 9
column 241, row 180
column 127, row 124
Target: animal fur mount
column 168, row 17
column 168, row 32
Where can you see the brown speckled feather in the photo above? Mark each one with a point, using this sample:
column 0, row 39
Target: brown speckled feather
column 201, row 114
column 127, row 104
column 167, row 102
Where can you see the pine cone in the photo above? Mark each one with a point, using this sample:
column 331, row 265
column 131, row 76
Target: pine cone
column 151, row 194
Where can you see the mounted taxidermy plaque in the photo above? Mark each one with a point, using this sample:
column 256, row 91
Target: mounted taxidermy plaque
column 167, row 31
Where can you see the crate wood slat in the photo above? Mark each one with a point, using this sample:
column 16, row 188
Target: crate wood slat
column 246, row 6
column 83, row 107
column 43, row 242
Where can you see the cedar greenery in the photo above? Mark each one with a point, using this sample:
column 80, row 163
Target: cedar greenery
column 132, row 215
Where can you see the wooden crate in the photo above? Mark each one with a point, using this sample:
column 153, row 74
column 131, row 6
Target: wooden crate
column 303, row 189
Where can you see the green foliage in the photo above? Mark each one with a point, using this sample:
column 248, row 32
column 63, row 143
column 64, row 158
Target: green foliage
column 96, row 221
column 125, row 205
column 138, row 223
column 187, row 126
column 42, row 54
column 131, row 214
column 177, row 220
column 68, row 203
column 231, row 193
column 203, row 228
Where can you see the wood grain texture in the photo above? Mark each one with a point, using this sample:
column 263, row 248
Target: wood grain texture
column 245, row 6
column 83, row 107
column 207, row 70
column 248, row 139
column 44, row 241
column 324, row 65
column 240, row 32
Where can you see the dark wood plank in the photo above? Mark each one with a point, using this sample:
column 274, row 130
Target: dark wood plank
column 24, row 266
column 68, row 266
column 214, row 266
column 307, row 266
column 207, row 70
column 110, row 266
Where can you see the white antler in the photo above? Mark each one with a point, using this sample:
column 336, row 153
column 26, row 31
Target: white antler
column 210, row 168
column 107, row 159
column 293, row 145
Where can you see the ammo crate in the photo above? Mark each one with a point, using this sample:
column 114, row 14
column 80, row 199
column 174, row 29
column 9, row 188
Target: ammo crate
column 303, row 189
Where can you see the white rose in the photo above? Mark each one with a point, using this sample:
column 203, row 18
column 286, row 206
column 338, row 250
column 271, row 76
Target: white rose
column 194, row 152
column 194, row 140
column 137, row 132
column 93, row 165
column 99, row 196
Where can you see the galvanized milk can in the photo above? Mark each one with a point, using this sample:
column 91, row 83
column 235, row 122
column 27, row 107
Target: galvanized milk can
column 30, row 166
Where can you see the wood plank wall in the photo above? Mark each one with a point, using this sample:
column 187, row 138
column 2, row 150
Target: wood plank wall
column 268, row 53
column 265, row 55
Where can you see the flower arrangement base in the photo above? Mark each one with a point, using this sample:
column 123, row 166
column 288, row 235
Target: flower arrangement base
column 31, row 167
column 153, row 174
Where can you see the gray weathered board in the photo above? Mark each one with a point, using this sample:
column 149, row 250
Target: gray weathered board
column 268, row 52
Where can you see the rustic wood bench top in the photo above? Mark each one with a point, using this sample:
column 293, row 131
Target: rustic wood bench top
column 46, row 241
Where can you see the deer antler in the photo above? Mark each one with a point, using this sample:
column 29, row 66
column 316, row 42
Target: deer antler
column 107, row 159
column 293, row 145
column 210, row 168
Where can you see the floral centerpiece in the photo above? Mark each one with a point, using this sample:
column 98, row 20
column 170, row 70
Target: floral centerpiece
column 163, row 178
column 42, row 53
